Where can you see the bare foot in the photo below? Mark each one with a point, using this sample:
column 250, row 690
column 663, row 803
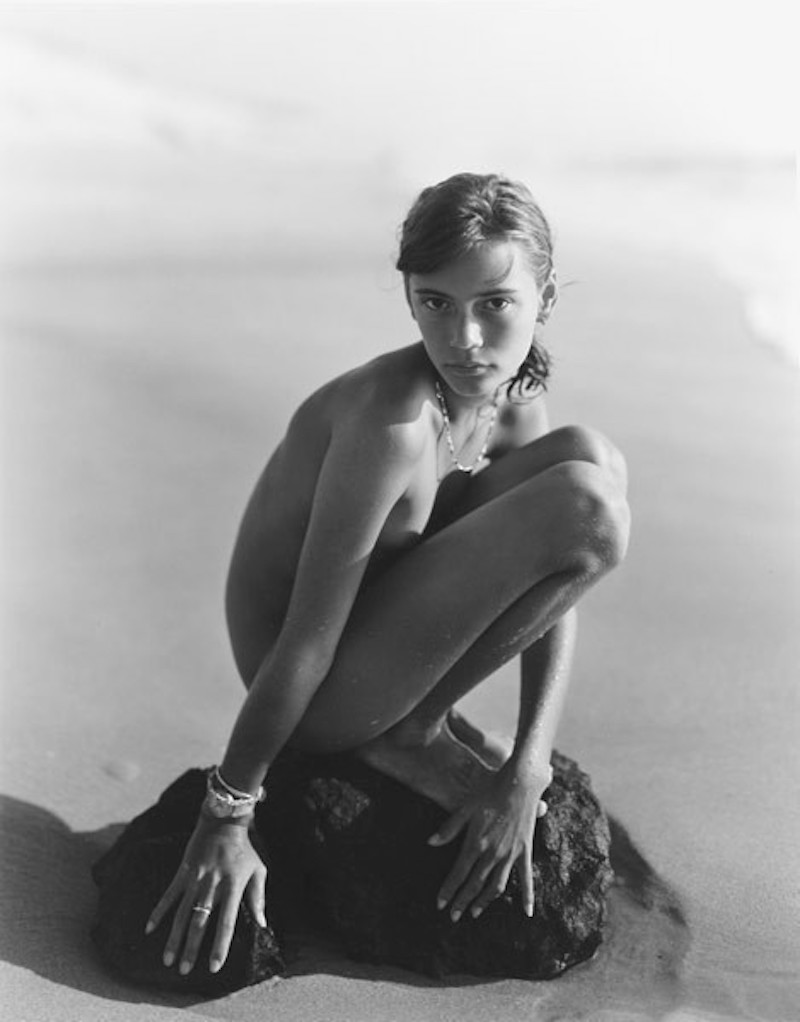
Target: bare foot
column 492, row 749
column 440, row 767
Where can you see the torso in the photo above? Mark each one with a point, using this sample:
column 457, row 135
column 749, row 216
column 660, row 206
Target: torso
column 273, row 528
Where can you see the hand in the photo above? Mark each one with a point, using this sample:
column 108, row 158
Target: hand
column 500, row 821
column 219, row 867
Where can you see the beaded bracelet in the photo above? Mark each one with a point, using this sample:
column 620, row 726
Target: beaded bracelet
column 215, row 777
column 225, row 803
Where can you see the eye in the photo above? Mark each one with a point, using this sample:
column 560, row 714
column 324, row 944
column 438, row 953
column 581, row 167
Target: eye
column 497, row 304
column 435, row 304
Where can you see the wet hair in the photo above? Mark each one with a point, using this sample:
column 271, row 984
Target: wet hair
column 451, row 218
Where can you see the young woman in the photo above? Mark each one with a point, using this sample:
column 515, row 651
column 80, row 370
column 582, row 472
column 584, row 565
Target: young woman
column 417, row 527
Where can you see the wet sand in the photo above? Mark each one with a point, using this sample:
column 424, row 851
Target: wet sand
column 141, row 402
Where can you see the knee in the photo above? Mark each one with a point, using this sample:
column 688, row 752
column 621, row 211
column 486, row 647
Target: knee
column 593, row 517
column 580, row 443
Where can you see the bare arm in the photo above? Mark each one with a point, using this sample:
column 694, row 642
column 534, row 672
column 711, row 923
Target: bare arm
column 364, row 472
column 362, row 477
column 500, row 820
column 545, row 668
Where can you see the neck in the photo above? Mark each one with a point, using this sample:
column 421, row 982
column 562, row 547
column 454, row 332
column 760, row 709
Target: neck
column 459, row 405
column 489, row 417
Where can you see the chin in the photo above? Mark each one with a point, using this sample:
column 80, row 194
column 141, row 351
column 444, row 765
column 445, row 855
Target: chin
column 480, row 386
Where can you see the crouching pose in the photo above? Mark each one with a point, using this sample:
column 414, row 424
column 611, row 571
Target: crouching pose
column 417, row 527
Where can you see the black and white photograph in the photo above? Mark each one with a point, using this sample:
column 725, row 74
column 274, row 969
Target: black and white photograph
column 400, row 501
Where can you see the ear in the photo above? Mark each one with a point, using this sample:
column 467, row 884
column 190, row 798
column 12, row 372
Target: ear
column 407, row 289
column 548, row 297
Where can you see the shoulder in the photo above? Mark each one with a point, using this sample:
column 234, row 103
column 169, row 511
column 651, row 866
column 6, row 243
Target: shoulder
column 383, row 403
column 523, row 421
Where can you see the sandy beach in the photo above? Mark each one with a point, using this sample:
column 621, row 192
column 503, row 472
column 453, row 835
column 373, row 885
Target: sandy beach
column 132, row 439
column 159, row 325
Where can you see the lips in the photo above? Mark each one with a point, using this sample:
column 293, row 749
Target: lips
column 468, row 370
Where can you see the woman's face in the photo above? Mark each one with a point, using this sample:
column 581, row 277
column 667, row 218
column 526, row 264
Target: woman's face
column 477, row 316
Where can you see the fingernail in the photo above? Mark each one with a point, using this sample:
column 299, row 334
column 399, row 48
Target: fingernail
column 455, row 915
column 476, row 911
column 529, row 911
column 434, row 840
column 168, row 958
column 150, row 927
column 184, row 968
column 440, row 903
column 215, row 965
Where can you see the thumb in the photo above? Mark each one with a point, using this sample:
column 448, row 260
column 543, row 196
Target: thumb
column 452, row 826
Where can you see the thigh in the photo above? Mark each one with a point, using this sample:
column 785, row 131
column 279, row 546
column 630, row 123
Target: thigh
column 409, row 628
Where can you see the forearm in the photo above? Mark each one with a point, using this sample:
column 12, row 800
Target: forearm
column 500, row 818
column 545, row 670
column 275, row 704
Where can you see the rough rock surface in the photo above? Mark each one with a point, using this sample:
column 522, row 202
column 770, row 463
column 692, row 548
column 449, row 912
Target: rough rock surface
column 353, row 843
column 133, row 875
column 347, row 851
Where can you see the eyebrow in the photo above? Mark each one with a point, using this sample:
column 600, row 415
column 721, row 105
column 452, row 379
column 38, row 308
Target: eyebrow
column 481, row 294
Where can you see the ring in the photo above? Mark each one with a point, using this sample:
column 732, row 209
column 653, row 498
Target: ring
column 201, row 908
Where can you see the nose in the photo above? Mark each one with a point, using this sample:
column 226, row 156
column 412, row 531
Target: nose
column 467, row 334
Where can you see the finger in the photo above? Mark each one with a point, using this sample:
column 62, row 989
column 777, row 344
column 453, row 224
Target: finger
column 256, row 896
column 179, row 925
column 457, row 875
column 525, row 870
column 196, row 925
column 226, row 924
column 495, row 885
column 452, row 826
column 168, row 899
column 541, row 809
column 473, row 886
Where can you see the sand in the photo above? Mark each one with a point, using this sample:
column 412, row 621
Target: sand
column 141, row 399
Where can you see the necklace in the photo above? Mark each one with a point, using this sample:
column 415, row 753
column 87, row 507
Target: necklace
column 448, row 433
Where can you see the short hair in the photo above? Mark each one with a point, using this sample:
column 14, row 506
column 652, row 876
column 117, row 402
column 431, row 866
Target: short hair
column 451, row 218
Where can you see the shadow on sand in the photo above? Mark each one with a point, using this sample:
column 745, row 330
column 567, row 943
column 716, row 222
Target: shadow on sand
column 48, row 900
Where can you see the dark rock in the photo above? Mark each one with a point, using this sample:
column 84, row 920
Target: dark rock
column 353, row 843
column 348, row 851
column 132, row 877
